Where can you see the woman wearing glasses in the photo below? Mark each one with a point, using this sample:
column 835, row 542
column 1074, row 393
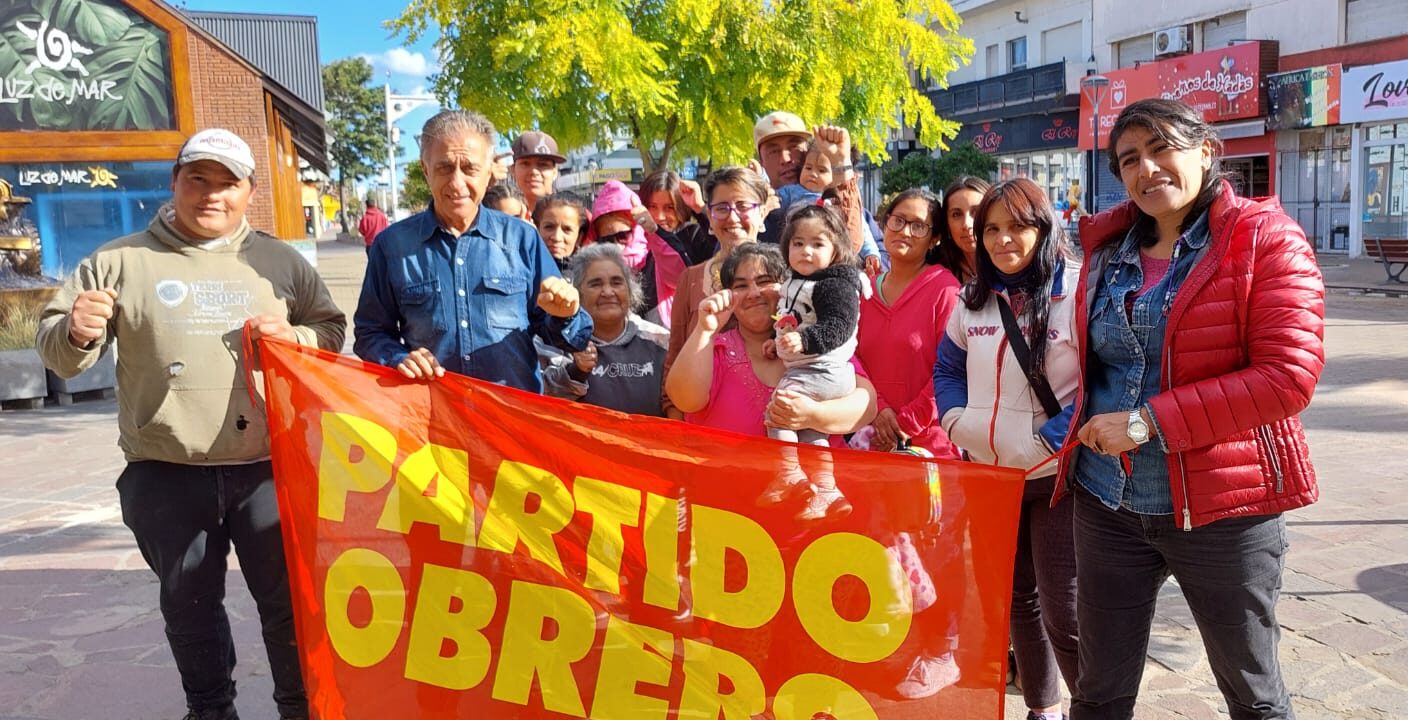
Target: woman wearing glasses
column 900, row 327
column 902, row 321
column 733, row 200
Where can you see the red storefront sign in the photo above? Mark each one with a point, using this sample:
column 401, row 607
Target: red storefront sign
column 1224, row 84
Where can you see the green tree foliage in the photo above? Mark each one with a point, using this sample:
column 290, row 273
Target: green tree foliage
column 915, row 170
column 963, row 159
column 919, row 169
column 691, row 76
column 356, row 118
column 415, row 191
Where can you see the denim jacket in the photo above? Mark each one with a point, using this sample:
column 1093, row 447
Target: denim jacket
column 471, row 300
column 1123, row 369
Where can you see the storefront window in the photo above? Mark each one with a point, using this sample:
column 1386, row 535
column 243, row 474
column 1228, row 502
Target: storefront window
column 78, row 206
column 1389, row 131
column 1386, row 190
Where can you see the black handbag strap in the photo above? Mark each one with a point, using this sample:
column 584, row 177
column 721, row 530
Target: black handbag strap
column 1018, row 341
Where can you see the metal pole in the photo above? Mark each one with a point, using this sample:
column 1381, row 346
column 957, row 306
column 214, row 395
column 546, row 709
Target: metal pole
column 390, row 155
column 1095, row 157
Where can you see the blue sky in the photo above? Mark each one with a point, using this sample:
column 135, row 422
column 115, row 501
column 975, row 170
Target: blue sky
column 348, row 28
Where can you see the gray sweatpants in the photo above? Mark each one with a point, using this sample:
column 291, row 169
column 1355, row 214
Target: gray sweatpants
column 818, row 382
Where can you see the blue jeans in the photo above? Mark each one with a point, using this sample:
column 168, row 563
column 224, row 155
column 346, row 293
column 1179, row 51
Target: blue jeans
column 1230, row 574
column 184, row 518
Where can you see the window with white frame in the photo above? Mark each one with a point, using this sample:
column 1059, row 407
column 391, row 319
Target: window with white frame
column 1017, row 54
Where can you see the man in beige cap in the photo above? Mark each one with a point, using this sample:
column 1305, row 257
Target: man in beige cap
column 175, row 300
column 535, row 161
column 781, row 139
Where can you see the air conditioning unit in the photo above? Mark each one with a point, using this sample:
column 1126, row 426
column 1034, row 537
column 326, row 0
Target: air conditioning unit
column 1173, row 41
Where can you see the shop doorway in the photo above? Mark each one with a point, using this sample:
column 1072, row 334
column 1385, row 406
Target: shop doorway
column 1250, row 176
column 1314, row 188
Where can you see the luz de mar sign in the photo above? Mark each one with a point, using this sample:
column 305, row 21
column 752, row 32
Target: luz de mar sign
column 82, row 65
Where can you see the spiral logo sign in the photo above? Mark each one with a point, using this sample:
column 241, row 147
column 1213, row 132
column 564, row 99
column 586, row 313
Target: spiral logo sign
column 83, row 65
column 54, row 49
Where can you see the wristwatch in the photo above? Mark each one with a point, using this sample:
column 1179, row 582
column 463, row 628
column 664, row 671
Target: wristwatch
column 1138, row 430
column 842, row 168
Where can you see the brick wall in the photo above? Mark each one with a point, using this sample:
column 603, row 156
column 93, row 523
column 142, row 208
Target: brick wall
column 227, row 94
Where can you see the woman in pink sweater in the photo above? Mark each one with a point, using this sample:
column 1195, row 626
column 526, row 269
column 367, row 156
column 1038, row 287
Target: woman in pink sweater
column 902, row 322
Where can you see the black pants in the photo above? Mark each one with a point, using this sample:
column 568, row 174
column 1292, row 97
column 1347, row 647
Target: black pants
column 1044, row 637
column 184, row 518
column 1230, row 574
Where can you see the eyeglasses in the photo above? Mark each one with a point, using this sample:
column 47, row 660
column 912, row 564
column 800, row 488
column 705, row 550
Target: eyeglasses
column 620, row 238
column 895, row 223
column 721, row 211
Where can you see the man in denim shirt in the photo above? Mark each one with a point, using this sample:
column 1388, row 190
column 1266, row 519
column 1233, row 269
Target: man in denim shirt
column 459, row 287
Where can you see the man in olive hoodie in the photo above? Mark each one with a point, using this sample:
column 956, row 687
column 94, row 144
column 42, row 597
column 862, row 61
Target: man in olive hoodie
column 174, row 299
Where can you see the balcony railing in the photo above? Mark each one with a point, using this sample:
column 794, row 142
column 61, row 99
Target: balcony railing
column 1014, row 88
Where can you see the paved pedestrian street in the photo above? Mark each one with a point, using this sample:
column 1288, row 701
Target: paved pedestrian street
column 81, row 638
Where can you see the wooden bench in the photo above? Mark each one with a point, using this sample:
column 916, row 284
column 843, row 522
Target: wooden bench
column 1391, row 252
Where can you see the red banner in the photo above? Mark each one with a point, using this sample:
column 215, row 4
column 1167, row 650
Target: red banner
column 458, row 549
column 1223, row 84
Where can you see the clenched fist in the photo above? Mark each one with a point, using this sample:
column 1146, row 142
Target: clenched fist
column 789, row 345
column 90, row 315
column 835, row 141
column 558, row 298
column 693, row 196
column 715, row 310
column 642, row 217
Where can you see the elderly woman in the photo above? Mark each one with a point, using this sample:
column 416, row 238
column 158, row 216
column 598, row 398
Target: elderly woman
column 1203, row 317
column 723, row 378
column 623, row 366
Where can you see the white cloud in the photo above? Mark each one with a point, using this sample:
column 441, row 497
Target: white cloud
column 400, row 61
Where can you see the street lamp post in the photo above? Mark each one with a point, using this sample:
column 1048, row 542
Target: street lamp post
column 397, row 107
column 1094, row 87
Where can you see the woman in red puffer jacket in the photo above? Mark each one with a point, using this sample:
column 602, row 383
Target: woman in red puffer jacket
column 1202, row 325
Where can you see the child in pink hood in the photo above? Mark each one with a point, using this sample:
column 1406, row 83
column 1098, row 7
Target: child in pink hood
column 618, row 216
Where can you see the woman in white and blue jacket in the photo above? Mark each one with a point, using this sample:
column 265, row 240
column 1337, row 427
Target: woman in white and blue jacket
column 987, row 406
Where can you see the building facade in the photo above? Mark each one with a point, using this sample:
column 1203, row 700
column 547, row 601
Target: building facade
column 1314, row 112
column 1017, row 99
column 1318, row 138
column 94, row 106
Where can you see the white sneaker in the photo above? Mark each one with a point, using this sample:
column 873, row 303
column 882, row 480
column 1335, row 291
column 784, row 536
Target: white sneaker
column 927, row 676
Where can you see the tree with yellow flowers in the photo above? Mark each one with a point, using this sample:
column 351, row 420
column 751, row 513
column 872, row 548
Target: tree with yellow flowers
column 691, row 76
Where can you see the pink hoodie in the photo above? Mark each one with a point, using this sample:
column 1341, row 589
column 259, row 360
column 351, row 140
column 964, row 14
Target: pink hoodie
column 615, row 197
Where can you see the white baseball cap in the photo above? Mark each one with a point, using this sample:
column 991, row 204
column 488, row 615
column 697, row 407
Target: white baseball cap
column 223, row 147
column 777, row 124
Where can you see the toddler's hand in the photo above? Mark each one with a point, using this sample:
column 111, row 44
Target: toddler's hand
column 770, row 349
column 872, row 266
column 789, row 344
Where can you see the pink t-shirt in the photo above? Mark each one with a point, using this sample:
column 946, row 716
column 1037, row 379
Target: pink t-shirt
column 738, row 400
